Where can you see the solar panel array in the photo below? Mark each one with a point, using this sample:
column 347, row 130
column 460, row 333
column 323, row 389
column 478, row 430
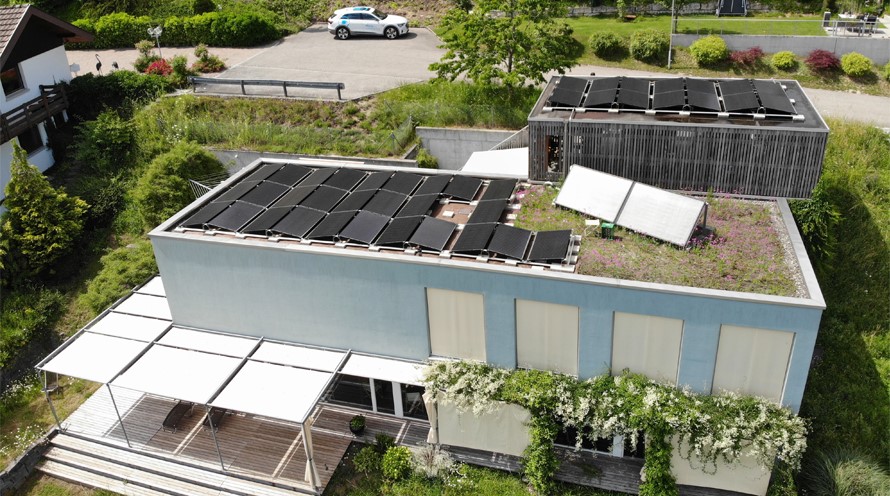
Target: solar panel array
column 706, row 96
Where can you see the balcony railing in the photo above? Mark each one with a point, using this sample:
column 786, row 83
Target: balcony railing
column 52, row 100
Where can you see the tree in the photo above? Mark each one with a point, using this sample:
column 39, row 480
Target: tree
column 40, row 225
column 509, row 42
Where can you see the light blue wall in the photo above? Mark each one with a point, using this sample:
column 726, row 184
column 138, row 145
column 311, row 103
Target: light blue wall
column 377, row 304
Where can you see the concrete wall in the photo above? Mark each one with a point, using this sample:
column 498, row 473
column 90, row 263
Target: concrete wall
column 453, row 147
column 877, row 49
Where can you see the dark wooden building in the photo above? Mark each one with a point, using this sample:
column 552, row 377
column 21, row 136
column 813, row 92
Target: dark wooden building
column 740, row 136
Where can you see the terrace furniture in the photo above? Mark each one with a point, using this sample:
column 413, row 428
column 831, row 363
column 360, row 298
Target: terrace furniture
column 174, row 418
column 215, row 416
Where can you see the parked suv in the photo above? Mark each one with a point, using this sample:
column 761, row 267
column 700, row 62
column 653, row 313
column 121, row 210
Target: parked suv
column 366, row 20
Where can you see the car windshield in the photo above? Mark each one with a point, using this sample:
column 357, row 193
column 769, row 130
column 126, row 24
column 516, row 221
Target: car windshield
column 380, row 14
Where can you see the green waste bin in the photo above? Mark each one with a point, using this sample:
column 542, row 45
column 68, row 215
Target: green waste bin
column 607, row 230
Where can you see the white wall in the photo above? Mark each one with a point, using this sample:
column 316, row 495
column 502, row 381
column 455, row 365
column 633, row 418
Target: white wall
column 746, row 476
column 504, row 430
column 47, row 68
column 42, row 158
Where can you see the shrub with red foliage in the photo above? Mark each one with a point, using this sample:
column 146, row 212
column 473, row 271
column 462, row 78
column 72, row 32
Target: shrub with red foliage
column 159, row 67
column 746, row 58
column 823, row 61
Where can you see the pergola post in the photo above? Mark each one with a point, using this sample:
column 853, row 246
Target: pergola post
column 119, row 419
column 213, row 433
column 311, row 469
column 52, row 409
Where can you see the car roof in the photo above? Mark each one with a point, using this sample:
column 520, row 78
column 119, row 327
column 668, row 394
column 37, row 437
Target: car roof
column 349, row 10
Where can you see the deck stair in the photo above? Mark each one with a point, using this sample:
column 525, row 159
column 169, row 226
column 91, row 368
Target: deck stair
column 116, row 468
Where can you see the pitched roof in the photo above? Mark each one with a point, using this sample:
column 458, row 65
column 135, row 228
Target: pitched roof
column 13, row 20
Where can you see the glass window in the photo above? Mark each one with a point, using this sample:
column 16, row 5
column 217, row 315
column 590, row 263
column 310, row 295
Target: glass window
column 568, row 436
column 352, row 391
column 637, row 450
column 385, row 400
column 30, row 140
column 11, row 80
column 412, row 401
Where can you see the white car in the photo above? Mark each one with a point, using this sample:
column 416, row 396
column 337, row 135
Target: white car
column 366, row 20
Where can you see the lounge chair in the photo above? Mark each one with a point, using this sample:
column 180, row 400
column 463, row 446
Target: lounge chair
column 216, row 415
column 174, row 418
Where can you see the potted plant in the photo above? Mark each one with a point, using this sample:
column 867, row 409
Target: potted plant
column 357, row 424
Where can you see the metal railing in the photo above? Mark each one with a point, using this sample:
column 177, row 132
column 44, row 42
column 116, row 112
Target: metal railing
column 52, row 100
column 284, row 85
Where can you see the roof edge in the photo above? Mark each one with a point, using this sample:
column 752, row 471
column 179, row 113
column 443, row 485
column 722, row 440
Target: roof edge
column 76, row 34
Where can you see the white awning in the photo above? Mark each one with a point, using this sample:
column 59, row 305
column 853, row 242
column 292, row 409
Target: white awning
column 299, row 356
column 95, row 357
column 509, row 163
column 385, row 369
column 276, row 391
column 147, row 305
column 181, row 374
column 210, row 342
column 129, row 326
column 153, row 287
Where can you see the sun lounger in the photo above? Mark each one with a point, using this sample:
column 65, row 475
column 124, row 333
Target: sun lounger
column 216, row 415
column 174, row 419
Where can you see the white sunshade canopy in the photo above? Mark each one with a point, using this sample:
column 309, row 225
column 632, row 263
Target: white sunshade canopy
column 594, row 193
column 299, row 356
column 209, row 342
column 153, row 287
column 145, row 305
column 511, row 162
column 385, row 369
column 129, row 326
column 661, row 214
column 95, row 357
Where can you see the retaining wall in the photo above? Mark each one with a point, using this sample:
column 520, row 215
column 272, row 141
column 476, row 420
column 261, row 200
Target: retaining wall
column 21, row 469
column 235, row 160
column 453, row 147
column 877, row 49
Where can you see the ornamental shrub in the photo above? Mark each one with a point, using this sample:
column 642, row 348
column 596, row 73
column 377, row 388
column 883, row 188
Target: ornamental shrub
column 396, row 463
column 367, row 461
column 822, row 61
column 122, row 269
column 606, row 44
column 159, row 67
column 887, row 71
column 383, row 442
column 649, row 45
column 784, row 61
column 120, row 30
column 709, row 51
column 206, row 62
column 90, row 93
column 746, row 58
column 181, row 71
column 856, row 65
column 106, row 143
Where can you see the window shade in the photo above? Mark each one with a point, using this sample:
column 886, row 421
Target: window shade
column 547, row 336
column 752, row 361
column 647, row 345
column 457, row 324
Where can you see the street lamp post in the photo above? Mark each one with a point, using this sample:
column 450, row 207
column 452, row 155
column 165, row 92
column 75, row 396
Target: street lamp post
column 155, row 32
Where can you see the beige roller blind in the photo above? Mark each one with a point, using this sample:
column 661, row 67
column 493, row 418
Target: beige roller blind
column 457, row 324
column 752, row 361
column 504, row 430
column 647, row 345
column 547, row 336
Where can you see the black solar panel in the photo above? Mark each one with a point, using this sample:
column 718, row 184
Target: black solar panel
column 746, row 102
column 236, row 191
column 572, row 84
column 474, row 238
column 700, row 85
column 374, row 181
column 773, row 97
column 298, row 222
column 345, row 179
column 295, row 196
column 331, row 225
column 235, row 217
column 263, row 172
column 668, row 85
column 699, row 100
column 207, row 212
column 324, row 198
column 364, row 227
column 488, row 211
column 635, row 99
column 385, row 203
column 499, row 189
column 356, row 200
column 600, row 99
column 433, row 185
column 266, row 220
column 290, row 174
column 399, row 230
column 418, row 205
column 565, row 98
column 402, row 182
column 550, row 246
column 635, row 84
column 433, row 233
column 735, row 87
column 463, row 188
column 318, row 177
column 610, row 83
column 265, row 193
column 509, row 241
column 669, row 100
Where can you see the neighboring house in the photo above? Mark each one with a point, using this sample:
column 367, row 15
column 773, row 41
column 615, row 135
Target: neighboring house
column 32, row 64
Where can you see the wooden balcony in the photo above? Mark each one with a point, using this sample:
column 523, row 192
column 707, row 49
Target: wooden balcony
column 52, row 101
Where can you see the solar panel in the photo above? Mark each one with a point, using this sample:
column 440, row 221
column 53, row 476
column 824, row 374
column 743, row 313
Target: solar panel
column 385, row 203
column 207, row 212
column 699, row 100
column 356, row 200
column 236, row 191
column 364, row 227
column 550, row 246
column 509, row 241
column 600, row 99
column 263, row 172
column 345, row 179
column 374, row 180
column 399, row 230
column 565, row 98
column 433, row 185
column 290, row 174
column 295, row 196
column 265, row 193
column 635, row 84
column 633, row 99
column 463, row 188
column 735, row 87
column 609, row 83
column 266, row 220
column 298, row 222
column 433, row 233
column 474, row 238
column 700, row 85
column 331, row 225
column 324, row 198
column 773, row 97
column 499, row 189
column 593, row 193
column 418, row 205
column 660, row 214
column 402, row 182
column 235, row 217
column 746, row 102
column 668, row 85
column 669, row 100
column 488, row 211
column 572, row 84
column 318, row 177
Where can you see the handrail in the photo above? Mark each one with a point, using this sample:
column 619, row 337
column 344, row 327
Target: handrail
column 194, row 81
column 51, row 101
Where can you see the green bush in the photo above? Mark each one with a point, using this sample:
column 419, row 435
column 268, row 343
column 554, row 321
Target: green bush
column 181, row 71
column 856, row 65
column 606, row 44
column 396, row 463
column 25, row 316
column 164, row 188
column 886, row 71
column 709, row 51
column 817, row 218
column 784, row 61
column 119, row 30
column 426, row 160
column 367, row 461
column 383, row 442
column 105, row 144
column 650, row 45
column 845, row 472
column 122, row 269
column 90, row 94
